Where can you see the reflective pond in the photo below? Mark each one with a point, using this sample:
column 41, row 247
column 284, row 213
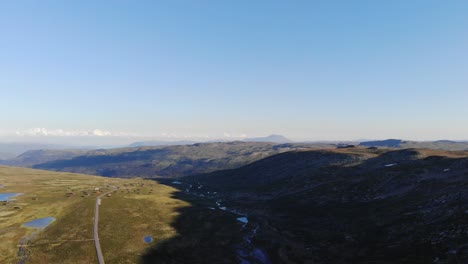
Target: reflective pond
column 148, row 239
column 6, row 196
column 40, row 222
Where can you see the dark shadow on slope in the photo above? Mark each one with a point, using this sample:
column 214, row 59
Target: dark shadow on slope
column 394, row 208
column 204, row 235
column 274, row 168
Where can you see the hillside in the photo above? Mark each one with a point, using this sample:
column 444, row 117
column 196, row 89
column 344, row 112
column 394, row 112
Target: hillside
column 287, row 165
column 170, row 161
column 32, row 157
column 440, row 144
column 351, row 205
column 11, row 150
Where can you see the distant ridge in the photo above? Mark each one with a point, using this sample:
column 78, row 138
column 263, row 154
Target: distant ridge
column 389, row 143
column 446, row 141
column 13, row 149
column 166, row 161
column 32, row 157
column 398, row 143
column 271, row 138
column 154, row 143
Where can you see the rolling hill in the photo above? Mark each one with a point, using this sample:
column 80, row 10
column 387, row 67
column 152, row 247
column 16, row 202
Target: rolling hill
column 13, row 149
column 32, row 157
column 170, row 161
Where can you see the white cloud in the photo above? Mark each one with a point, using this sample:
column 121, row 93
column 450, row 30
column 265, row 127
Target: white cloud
column 97, row 132
column 45, row 132
column 229, row 135
column 68, row 133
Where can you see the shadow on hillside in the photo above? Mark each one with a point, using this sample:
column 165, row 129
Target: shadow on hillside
column 394, row 208
column 204, row 235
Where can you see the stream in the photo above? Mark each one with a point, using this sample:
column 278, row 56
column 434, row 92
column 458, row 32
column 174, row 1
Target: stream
column 246, row 251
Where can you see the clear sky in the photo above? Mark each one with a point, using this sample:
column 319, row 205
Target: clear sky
column 305, row 69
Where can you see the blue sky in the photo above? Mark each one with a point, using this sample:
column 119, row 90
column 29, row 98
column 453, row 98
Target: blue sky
column 306, row 69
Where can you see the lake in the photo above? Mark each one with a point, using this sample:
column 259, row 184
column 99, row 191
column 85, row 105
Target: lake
column 6, row 196
column 40, row 222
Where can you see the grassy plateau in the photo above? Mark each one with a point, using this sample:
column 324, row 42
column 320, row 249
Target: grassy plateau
column 138, row 208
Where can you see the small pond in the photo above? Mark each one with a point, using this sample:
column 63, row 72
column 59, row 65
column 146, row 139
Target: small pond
column 6, row 196
column 243, row 219
column 40, row 222
column 148, row 239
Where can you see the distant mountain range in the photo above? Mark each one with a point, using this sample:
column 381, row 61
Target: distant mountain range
column 389, row 143
column 169, row 161
column 151, row 143
column 398, row 143
column 270, row 138
column 184, row 158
